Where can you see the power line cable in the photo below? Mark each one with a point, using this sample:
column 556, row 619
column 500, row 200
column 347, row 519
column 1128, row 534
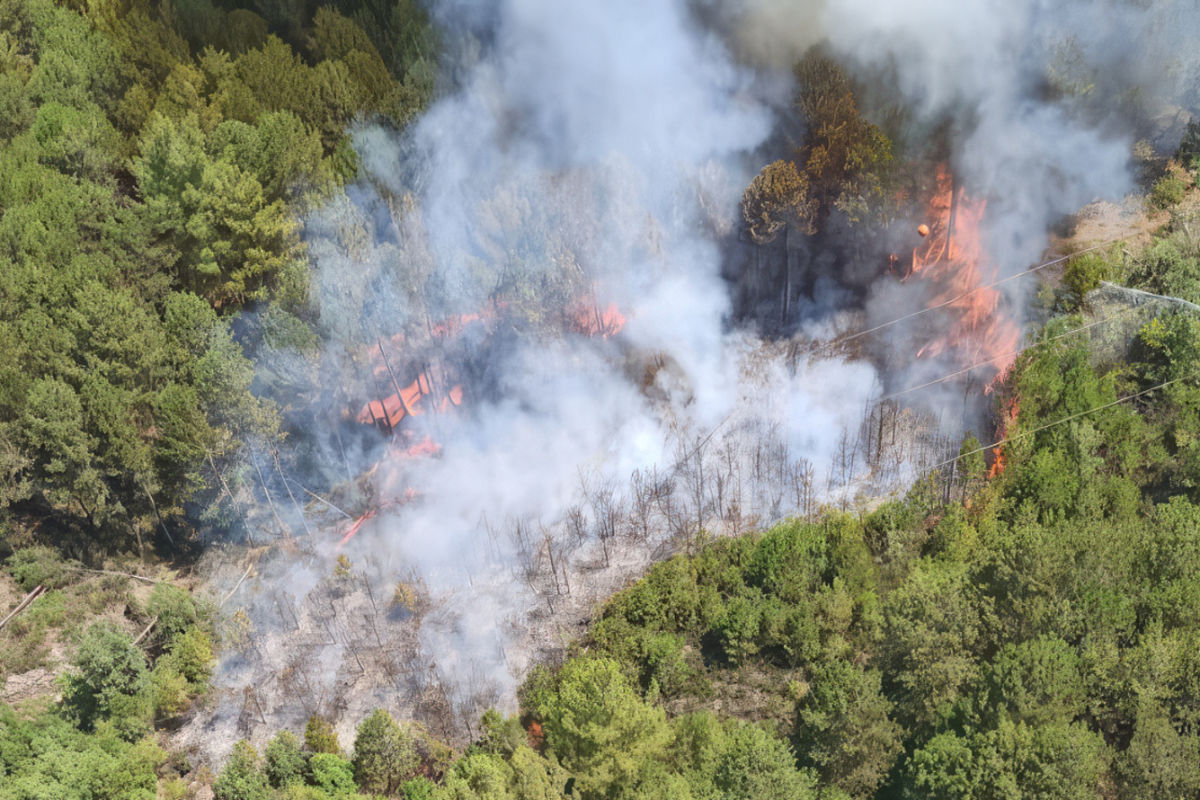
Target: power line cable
column 952, row 300
column 1012, row 354
column 1068, row 418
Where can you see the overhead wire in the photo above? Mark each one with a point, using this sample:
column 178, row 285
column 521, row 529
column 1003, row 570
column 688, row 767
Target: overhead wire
column 1068, row 418
column 952, row 300
column 1010, row 354
column 1040, row 428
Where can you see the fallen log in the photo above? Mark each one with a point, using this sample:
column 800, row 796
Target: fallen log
column 145, row 631
column 37, row 592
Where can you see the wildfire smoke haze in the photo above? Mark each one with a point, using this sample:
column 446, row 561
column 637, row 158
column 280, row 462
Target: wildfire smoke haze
column 592, row 156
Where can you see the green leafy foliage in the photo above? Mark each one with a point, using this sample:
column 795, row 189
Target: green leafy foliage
column 42, row 755
column 320, row 737
column 149, row 160
column 242, row 778
column 1169, row 189
column 38, row 566
column 110, row 680
column 385, row 754
column 285, row 764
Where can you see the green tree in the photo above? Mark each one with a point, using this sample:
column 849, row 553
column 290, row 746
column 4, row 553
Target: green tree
column 320, row 737
column 385, row 754
column 110, row 680
column 1159, row 761
column 778, row 199
column 175, row 611
column 843, row 155
column 241, row 778
column 285, row 763
column 931, row 630
column 1037, row 681
column 332, row 774
column 754, row 765
column 599, row 728
column 1011, row 760
column 843, row 729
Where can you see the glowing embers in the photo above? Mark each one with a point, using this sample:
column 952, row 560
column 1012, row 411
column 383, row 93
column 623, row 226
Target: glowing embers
column 951, row 258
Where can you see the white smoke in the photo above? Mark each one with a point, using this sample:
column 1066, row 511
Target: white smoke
column 602, row 148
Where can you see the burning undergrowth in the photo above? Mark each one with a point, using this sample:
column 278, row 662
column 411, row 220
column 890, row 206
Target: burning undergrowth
column 531, row 362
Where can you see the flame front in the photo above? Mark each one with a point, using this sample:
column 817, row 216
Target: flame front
column 952, row 259
column 435, row 389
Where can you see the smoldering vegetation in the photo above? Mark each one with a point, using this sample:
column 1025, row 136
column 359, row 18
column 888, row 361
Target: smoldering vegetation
column 587, row 160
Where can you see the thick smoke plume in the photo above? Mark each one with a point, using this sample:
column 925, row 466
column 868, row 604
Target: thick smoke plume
column 596, row 153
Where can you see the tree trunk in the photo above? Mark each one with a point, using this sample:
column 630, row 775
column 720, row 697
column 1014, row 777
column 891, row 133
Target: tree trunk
column 787, row 275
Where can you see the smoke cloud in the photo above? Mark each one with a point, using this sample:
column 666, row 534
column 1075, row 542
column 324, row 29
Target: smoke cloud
column 594, row 149
column 598, row 151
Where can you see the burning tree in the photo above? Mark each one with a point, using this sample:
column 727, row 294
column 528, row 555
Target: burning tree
column 953, row 260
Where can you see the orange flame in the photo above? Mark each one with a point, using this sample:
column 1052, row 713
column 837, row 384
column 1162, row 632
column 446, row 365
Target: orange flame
column 590, row 320
column 408, row 402
column 586, row 317
column 952, row 258
column 1006, row 423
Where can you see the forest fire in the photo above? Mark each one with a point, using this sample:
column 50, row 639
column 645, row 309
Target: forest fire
column 434, row 390
column 951, row 257
column 590, row 320
column 1007, row 420
column 408, row 401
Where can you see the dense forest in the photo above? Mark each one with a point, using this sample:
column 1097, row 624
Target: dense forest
column 1031, row 629
column 155, row 163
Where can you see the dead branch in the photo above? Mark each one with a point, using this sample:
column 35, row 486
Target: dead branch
column 29, row 598
column 145, row 631
column 121, row 574
column 245, row 575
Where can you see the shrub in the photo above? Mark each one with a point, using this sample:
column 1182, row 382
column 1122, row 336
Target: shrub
column 1169, row 189
column 285, row 762
column 320, row 737
column 33, row 566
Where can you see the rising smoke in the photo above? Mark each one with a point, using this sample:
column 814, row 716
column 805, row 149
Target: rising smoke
column 599, row 150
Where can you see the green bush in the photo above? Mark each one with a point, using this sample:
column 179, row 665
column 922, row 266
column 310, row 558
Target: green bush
column 34, row 566
column 1169, row 189
column 285, row 762
column 177, row 611
column 169, row 690
column 320, row 737
column 332, row 774
column 420, row 788
column 48, row 611
column 385, row 754
column 1083, row 275
column 1189, row 146
column 111, row 681
column 191, row 656
column 242, row 777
